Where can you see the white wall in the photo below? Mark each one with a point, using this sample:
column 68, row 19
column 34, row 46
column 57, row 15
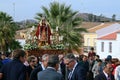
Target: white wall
column 22, row 41
column 115, row 48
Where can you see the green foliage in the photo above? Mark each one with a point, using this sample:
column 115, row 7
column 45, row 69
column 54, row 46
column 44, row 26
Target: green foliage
column 7, row 31
column 65, row 18
column 58, row 46
column 14, row 45
column 30, row 46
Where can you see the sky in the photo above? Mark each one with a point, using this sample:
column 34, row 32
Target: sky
column 27, row 9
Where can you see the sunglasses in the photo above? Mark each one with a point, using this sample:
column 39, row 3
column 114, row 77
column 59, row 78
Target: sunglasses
column 69, row 62
column 33, row 61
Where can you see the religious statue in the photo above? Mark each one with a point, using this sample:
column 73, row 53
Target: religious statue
column 43, row 32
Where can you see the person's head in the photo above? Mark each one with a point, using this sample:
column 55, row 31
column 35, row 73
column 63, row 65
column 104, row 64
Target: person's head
column 43, row 21
column 7, row 54
column 97, row 57
column 69, row 60
column 85, row 58
column 19, row 54
column 109, row 58
column 32, row 60
column 61, row 56
column 53, row 61
column 3, row 56
column 45, row 58
column 92, row 49
column 108, row 68
column 37, row 60
column 99, row 61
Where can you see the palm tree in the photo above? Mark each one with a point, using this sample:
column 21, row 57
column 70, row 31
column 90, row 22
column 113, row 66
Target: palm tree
column 7, row 31
column 62, row 16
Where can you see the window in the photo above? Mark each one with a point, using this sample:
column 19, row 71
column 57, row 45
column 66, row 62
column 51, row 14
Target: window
column 102, row 47
column 110, row 47
column 94, row 43
column 88, row 44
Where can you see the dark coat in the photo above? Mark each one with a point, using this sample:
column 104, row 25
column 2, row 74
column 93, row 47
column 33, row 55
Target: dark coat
column 29, row 70
column 102, row 76
column 33, row 75
column 63, row 69
column 79, row 73
column 85, row 64
column 14, row 70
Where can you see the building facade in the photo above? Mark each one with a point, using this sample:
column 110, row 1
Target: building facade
column 108, row 41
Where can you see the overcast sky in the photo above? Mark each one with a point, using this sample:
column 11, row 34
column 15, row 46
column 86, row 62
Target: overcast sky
column 27, row 9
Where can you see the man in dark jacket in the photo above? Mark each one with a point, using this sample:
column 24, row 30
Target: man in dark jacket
column 106, row 74
column 77, row 72
column 14, row 70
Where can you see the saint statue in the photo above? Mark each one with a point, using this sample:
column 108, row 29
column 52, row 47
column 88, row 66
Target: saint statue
column 43, row 32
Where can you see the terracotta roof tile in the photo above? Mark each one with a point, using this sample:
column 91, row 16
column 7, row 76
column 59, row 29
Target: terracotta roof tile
column 111, row 36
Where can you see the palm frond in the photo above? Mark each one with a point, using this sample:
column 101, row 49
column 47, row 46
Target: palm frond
column 65, row 18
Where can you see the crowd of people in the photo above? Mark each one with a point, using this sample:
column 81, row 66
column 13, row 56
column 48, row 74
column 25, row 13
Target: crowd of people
column 18, row 66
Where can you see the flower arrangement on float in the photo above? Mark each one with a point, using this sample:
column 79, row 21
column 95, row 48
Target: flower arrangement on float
column 32, row 42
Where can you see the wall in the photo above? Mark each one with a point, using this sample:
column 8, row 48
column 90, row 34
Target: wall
column 22, row 41
column 90, row 39
column 115, row 48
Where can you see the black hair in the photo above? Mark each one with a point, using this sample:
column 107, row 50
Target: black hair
column 99, row 60
column 92, row 48
column 18, row 53
column 97, row 56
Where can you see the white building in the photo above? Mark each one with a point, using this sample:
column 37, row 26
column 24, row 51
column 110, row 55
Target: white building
column 108, row 41
column 20, row 37
column 21, row 41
